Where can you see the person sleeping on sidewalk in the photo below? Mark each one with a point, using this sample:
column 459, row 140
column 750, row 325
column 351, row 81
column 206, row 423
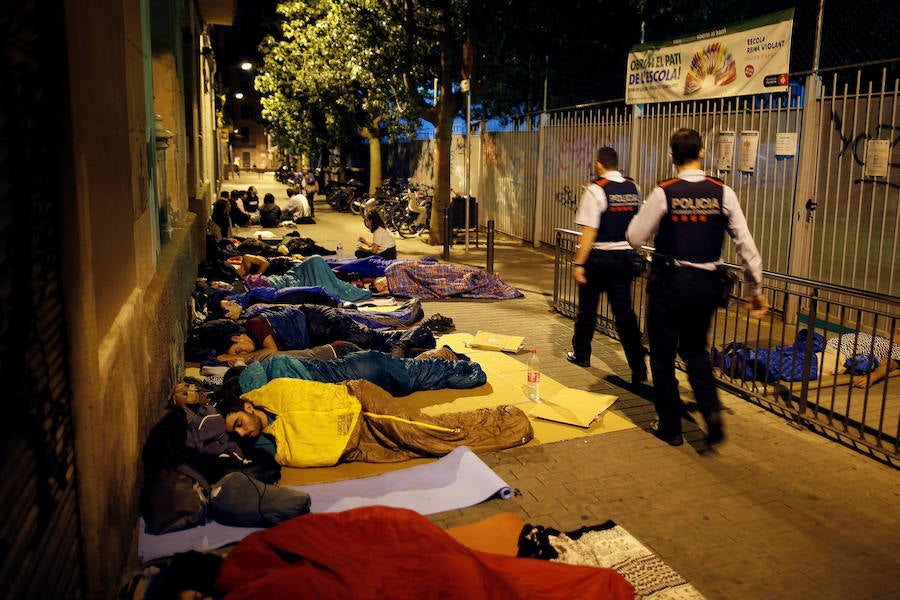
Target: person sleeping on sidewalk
column 222, row 304
column 436, row 369
column 313, row 424
column 270, row 328
column 281, row 272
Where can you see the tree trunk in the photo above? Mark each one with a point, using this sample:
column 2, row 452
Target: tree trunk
column 342, row 165
column 374, row 159
column 446, row 110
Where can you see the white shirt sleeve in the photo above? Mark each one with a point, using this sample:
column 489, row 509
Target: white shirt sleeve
column 591, row 205
column 743, row 241
column 645, row 224
column 383, row 238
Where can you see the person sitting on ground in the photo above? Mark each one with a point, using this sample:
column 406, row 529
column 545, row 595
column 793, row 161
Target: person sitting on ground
column 297, row 205
column 239, row 216
column 382, row 244
column 432, row 370
column 270, row 213
column 274, row 327
column 219, row 225
column 309, row 423
column 251, row 202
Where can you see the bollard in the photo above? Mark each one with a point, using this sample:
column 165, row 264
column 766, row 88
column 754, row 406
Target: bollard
column 490, row 246
column 448, row 233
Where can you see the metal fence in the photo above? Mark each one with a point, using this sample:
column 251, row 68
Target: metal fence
column 766, row 360
column 811, row 202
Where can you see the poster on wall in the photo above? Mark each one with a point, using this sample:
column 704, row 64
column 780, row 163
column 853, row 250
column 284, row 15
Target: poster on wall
column 786, row 144
column 748, row 151
column 725, row 151
column 877, row 154
column 748, row 58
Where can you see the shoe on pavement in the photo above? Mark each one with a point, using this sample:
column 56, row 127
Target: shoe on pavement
column 714, row 433
column 638, row 376
column 672, row 440
column 570, row 356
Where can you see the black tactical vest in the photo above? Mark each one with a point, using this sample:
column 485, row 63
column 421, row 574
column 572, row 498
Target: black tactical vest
column 694, row 226
column 623, row 201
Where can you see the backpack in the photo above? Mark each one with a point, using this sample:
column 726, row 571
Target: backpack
column 217, row 453
column 178, row 500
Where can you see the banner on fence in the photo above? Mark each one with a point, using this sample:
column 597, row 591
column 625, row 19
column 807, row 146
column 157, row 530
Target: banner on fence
column 748, row 58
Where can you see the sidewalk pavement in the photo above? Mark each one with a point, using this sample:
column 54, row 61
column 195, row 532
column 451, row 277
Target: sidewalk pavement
column 775, row 512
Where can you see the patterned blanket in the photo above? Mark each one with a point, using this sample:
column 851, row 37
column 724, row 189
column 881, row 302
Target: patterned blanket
column 429, row 279
column 609, row 546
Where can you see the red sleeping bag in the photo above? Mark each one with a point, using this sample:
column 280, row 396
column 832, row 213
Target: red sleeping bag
column 380, row 552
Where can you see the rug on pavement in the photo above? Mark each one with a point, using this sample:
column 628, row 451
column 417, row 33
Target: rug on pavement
column 611, row 546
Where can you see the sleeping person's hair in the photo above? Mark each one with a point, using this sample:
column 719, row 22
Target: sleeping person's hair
column 214, row 304
column 231, row 389
column 216, row 334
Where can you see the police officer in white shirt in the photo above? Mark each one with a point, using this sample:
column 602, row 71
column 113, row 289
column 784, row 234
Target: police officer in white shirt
column 689, row 215
column 605, row 262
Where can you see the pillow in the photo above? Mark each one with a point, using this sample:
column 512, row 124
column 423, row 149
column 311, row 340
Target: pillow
column 241, row 500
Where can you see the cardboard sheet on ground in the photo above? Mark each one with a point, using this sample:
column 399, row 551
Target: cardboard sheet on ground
column 572, row 407
column 485, row 340
column 457, row 480
column 506, row 385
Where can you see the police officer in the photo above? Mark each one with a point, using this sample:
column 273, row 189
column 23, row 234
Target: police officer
column 604, row 261
column 690, row 215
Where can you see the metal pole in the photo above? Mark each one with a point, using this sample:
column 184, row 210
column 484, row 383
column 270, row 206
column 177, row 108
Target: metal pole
column 539, row 193
column 816, row 50
column 468, row 157
column 490, row 246
column 448, row 233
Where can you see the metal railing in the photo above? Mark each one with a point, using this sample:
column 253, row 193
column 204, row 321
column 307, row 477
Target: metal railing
column 770, row 361
column 821, row 194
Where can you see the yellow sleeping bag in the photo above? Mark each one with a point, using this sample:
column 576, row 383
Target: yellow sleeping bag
column 313, row 420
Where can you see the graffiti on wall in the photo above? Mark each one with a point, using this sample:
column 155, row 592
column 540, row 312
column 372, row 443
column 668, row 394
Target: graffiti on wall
column 566, row 198
column 856, row 147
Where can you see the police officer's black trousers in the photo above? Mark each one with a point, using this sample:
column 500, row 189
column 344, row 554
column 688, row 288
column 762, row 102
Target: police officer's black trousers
column 682, row 301
column 610, row 271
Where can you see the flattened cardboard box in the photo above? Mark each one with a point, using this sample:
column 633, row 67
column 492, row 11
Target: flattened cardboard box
column 486, row 340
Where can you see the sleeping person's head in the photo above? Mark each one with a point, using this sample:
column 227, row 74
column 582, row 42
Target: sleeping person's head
column 240, row 344
column 216, row 334
column 220, row 306
column 224, row 308
column 242, row 418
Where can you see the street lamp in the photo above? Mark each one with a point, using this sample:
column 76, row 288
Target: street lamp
column 246, row 66
column 239, row 95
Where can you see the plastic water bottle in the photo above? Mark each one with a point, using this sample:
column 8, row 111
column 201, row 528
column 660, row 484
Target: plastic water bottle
column 340, row 249
column 533, row 386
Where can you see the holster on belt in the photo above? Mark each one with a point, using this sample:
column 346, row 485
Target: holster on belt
column 661, row 267
column 726, row 280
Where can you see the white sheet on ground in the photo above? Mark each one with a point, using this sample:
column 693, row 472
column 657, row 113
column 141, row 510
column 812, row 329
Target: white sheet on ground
column 457, row 480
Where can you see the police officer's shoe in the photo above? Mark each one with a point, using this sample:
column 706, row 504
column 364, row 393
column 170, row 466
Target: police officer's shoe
column 639, row 376
column 570, row 356
column 714, row 433
column 672, row 440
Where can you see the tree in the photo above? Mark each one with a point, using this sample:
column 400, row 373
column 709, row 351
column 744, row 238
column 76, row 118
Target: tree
column 318, row 90
column 367, row 66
